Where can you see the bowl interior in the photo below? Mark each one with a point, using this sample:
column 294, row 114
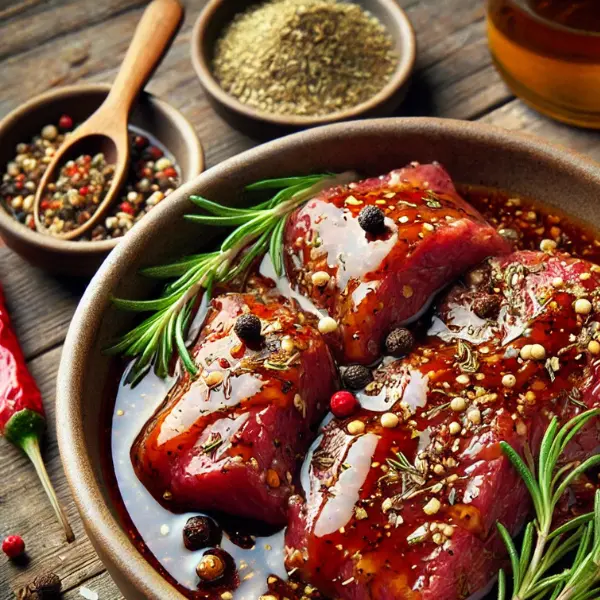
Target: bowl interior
column 472, row 153
column 219, row 13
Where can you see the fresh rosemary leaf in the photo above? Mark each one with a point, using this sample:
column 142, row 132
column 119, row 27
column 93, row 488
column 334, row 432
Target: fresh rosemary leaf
column 542, row 547
column 177, row 268
column 257, row 229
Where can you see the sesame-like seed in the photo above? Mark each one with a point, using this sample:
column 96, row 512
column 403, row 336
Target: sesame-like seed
column 458, row 404
column 352, row 201
column 538, row 352
column 509, row 380
column 407, row 291
column 530, row 397
column 120, row 413
column 356, row 427
column 386, row 505
column 585, row 276
column 525, row 352
column 463, row 379
column 389, row 420
column 320, row 278
column 438, row 539
column 226, row 596
column 583, row 306
column 474, row 416
column 327, row 325
column 438, row 469
column 214, row 378
column 547, row 245
column 287, row 344
column 558, row 282
column 594, row 347
column 521, row 428
column 448, row 531
column 428, row 226
column 454, row 428
column 432, row 507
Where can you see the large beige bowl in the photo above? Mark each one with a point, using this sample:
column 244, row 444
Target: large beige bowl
column 472, row 153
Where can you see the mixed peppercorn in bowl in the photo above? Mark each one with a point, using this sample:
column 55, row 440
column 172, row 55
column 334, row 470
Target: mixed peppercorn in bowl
column 165, row 152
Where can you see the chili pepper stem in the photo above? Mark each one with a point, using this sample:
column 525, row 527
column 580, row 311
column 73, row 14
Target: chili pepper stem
column 31, row 447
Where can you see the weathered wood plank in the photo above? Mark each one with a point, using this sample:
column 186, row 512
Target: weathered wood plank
column 102, row 584
column 40, row 304
column 34, row 22
column 517, row 116
column 25, row 510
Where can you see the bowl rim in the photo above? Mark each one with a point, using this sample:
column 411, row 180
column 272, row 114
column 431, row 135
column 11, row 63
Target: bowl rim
column 400, row 77
column 84, row 247
column 102, row 526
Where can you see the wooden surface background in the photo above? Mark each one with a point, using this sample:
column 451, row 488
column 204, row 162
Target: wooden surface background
column 49, row 43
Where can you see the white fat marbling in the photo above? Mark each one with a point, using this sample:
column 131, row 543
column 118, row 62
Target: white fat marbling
column 343, row 496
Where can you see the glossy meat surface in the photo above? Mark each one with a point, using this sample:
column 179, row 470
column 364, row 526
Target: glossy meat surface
column 378, row 282
column 409, row 512
column 232, row 439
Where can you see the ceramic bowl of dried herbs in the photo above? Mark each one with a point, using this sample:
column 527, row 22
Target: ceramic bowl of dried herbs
column 280, row 65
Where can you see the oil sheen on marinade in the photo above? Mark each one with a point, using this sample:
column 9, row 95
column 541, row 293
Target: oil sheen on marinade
column 158, row 532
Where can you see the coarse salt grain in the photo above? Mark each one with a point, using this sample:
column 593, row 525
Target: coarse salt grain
column 88, row 594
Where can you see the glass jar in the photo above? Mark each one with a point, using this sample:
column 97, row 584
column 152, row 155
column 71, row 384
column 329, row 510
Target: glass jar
column 548, row 52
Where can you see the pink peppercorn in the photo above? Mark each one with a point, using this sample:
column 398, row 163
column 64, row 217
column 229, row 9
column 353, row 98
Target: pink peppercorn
column 13, row 546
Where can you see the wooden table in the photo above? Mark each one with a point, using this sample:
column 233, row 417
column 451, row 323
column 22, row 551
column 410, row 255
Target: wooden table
column 50, row 43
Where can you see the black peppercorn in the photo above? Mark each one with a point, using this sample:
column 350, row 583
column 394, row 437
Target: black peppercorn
column 357, row 377
column 46, row 584
column 487, row 306
column 399, row 342
column 372, row 219
column 200, row 532
column 247, row 328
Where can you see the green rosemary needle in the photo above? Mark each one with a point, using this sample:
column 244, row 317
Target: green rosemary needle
column 543, row 547
column 258, row 230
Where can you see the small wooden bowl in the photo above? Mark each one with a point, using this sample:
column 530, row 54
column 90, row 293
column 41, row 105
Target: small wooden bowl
column 217, row 14
column 150, row 114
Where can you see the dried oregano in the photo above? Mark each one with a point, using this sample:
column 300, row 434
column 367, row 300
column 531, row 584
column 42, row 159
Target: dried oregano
column 304, row 57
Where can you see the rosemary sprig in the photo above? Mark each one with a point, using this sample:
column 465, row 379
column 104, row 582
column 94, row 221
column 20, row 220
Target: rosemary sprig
column 543, row 547
column 258, row 230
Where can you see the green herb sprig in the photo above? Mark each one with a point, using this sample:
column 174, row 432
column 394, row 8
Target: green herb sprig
column 258, row 230
column 543, row 547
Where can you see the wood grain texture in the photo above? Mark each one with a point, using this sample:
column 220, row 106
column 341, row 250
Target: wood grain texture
column 49, row 43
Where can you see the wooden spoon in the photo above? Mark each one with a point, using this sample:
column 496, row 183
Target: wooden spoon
column 106, row 130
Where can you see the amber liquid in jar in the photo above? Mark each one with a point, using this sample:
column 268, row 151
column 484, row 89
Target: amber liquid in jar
column 548, row 52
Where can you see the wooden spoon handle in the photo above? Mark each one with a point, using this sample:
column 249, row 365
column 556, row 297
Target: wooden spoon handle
column 152, row 37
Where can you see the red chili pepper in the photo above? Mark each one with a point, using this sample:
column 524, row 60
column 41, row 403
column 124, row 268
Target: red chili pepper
column 22, row 418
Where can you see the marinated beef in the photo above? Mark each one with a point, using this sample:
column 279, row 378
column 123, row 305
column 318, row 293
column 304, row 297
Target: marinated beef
column 371, row 278
column 232, row 438
column 409, row 512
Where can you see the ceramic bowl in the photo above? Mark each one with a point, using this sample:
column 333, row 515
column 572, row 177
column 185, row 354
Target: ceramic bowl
column 218, row 13
column 151, row 114
column 472, row 153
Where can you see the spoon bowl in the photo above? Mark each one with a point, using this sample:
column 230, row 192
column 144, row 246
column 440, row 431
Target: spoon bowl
column 107, row 127
column 91, row 144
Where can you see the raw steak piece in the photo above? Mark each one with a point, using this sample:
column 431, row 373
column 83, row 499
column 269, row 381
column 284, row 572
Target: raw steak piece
column 232, row 439
column 409, row 512
column 377, row 282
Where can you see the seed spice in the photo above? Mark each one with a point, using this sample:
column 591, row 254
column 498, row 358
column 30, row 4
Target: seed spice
column 152, row 177
column 304, row 57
